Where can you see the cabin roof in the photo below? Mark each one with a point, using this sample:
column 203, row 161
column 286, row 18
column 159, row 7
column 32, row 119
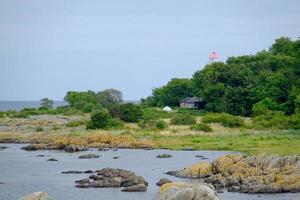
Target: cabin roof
column 191, row 100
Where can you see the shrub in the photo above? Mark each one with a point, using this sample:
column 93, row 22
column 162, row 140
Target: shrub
column 161, row 124
column 99, row 119
column 115, row 123
column 147, row 123
column 127, row 112
column 201, row 127
column 264, row 107
column 225, row 119
column 24, row 113
column 278, row 120
column 76, row 123
column 154, row 113
column 39, row 129
column 1, row 114
column 183, row 119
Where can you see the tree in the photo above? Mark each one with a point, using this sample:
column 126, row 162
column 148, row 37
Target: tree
column 236, row 85
column 46, row 103
column 109, row 97
column 171, row 94
column 79, row 100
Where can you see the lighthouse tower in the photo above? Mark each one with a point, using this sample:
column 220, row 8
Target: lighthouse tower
column 213, row 56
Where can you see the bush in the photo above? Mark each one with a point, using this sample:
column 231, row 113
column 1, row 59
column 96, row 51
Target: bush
column 115, row 123
column 100, row 119
column 182, row 119
column 155, row 113
column 264, row 107
column 24, row 113
column 161, row 124
column 76, row 123
column 225, row 119
column 152, row 124
column 39, row 129
column 127, row 112
column 278, row 120
column 201, row 127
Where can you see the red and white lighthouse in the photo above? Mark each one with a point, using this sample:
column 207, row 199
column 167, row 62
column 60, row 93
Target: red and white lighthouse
column 213, row 56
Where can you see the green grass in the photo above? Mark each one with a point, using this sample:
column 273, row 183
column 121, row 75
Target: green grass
column 279, row 142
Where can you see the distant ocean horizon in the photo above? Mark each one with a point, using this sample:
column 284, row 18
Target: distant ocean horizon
column 19, row 105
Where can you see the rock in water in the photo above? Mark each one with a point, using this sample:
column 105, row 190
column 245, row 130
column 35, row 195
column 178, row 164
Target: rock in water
column 163, row 181
column 52, row 159
column 164, row 156
column 248, row 174
column 74, row 148
column 183, row 191
column 72, row 172
column 88, row 156
column 135, row 188
column 37, row 196
column 110, row 177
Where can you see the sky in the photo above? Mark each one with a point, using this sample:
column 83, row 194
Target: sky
column 49, row 47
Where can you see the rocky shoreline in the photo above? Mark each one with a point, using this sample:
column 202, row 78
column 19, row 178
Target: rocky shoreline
column 248, row 174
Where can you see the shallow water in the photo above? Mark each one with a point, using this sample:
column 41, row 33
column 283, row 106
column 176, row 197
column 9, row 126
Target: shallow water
column 22, row 172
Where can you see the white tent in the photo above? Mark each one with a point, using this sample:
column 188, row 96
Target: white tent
column 167, row 109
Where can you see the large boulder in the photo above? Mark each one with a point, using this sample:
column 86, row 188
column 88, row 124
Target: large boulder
column 183, row 191
column 37, row 196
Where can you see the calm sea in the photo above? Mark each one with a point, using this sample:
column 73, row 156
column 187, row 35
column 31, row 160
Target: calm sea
column 18, row 105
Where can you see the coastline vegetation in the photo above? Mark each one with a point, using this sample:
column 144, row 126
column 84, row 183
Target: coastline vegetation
column 252, row 105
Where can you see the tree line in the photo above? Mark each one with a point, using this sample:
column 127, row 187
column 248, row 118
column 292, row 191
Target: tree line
column 270, row 79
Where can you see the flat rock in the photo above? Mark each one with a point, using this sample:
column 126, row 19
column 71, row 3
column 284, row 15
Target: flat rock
column 52, row 159
column 72, row 172
column 163, row 181
column 89, row 156
column 135, row 188
column 164, row 156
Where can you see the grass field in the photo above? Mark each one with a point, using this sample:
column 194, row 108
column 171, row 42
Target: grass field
column 242, row 139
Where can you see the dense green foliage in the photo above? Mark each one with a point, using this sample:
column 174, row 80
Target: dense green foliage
column 88, row 101
column 79, row 100
column 241, row 82
column 170, row 95
column 201, row 127
column 128, row 112
column 99, row 119
column 183, row 119
column 225, row 119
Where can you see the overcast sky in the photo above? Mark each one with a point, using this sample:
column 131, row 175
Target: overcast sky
column 48, row 47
